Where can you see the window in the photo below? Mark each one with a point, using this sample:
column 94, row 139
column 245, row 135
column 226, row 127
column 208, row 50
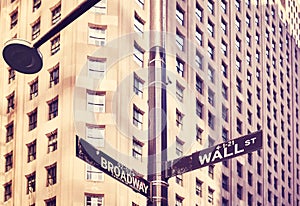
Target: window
column 211, row 120
column 96, row 67
column 36, row 5
column 249, row 97
column 224, row 113
column 199, row 38
column 138, row 84
column 31, row 151
column 239, row 191
column 224, row 26
column 100, row 7
column 52, row 141
column 54, row 76
column 9, row 131
column 199, row 188
column 238, row 44
column 7, row 191
column 225, row 202
column 211, row 171
column 250, row 178
column 179, row 15
column 224, row 69
column 178, row 201
column 250, row 158
column 211, row 97
column 239, row 84
column 210, row 195
column 211, row 50
column 51, row 201
column 138, row 55
column 259, row 188
column 210, row 28
column 141, row 3
column 97, row 35
column 238, row 64
column 32, row 116
column 95, row 101
column 53, row 108
column 56, row 14
column 51, row 175
column 93, row 200
column 93, row 173
column 248, row 59
column 36, row 29
column 199, row 134
column 8, row 161
column 199, row 60
column 199, row 12
column 239, row 169
column 211, row 74
column 138, row 24
column 224, row 134
column 11, row 75
column 199, row 109
column 179, row 40
column 224, row 6
column 95, row 135
column 14, row 18
column 55, row 45
column 225, row 182
column 238, row 5
column 10, row 102
column 224, row 91
column 210, row 6
column 137, row 148
column 238, row 24
column 248, row 21
column 30, row 183
column 250, row 199
column 199, row 84
column 179, row 180
column 34, row 88
column 249, row 117
column 224, row 47
column 179, row 147
column 137, row 117
column 180, row 67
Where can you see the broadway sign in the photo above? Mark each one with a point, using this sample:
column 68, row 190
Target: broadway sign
column 111, row 167
column 215, row 154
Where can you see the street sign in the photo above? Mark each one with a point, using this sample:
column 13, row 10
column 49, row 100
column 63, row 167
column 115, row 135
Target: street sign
column 215, row 154
column 111, row 167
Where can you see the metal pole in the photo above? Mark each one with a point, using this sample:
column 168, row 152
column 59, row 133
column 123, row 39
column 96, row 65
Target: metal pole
column 157, row 101
column 78, row 11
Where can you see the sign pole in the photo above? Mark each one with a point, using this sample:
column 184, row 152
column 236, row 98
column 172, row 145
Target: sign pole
column 157, row 101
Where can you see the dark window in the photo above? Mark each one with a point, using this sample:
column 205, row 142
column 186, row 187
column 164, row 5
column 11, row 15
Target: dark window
column 51, row 202
column 199, row 188
column 34, row 89
column 11, row 75
column 36, row 29
column 51, row 175
column 13, row 19
column 239, row 191
column 199, row 84
column 36, row 4
column 30, row 183
column 11, row 102
column 7, row 191
column 54, row 76
column 31, row 151
column 55, row 45
column 211, row 171
column 52, row 141
column 9, row 131
column 32, row 116
column 53, row 108
column 224, row 182
column 239, row 169
column 8, row 161
column 56, row 14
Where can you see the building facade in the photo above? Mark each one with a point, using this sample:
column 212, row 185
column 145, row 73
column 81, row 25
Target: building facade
column 232, row 69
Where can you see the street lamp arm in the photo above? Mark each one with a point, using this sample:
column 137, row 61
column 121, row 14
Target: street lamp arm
column 78, row 11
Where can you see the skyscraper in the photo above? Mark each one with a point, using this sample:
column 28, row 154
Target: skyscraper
column 232, row 69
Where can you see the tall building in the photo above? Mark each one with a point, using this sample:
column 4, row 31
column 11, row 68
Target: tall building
column 232, row 69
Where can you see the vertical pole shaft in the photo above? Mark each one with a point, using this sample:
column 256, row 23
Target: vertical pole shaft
column 157, row 101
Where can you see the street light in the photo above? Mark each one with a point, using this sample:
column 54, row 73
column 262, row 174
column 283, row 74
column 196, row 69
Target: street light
column 26, row 59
